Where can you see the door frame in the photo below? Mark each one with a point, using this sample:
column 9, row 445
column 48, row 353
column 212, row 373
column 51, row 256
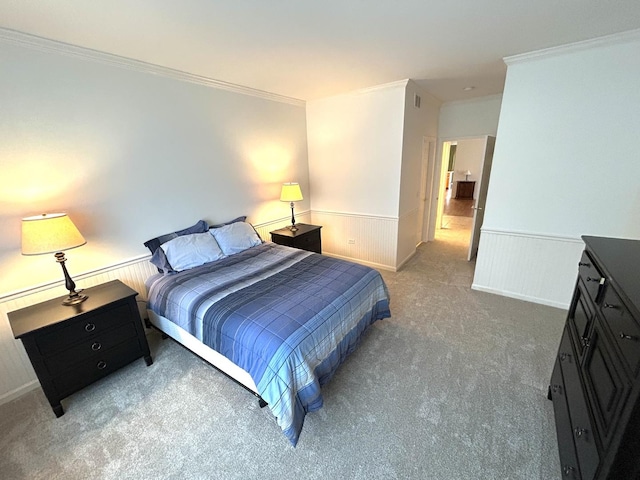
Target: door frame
column 481, row 200
column 429, row 149
column 437, row 187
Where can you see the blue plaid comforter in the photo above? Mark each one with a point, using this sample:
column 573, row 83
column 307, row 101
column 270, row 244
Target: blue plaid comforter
column 288, row 317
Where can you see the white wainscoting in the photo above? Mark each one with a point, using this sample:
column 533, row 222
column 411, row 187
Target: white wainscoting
column 16, row 374
column 375, row 238
column 533, row 267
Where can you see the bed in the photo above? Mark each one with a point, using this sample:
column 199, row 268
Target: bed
column 278, row 320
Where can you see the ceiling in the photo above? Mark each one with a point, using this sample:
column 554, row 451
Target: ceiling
column 313, row 49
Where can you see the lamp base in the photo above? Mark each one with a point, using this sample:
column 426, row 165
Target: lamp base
column 74, row 299
column 293, row 228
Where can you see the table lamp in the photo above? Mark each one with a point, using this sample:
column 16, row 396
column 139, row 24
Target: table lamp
column 291, row 193
column 53, row 233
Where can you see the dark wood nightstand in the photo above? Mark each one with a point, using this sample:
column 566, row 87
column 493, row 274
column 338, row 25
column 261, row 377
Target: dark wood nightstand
column 464, row 189
column 73, row 346
column 307, row 237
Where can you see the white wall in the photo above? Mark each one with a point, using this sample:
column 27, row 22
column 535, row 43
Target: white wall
column 131, row 154
column 355, row 143
column 470, row 118
column 130, row 151
column 418, row 123
column 469, row 157
column 355, row 151
column 365, row 160
column 565, row 165
column 475, row 117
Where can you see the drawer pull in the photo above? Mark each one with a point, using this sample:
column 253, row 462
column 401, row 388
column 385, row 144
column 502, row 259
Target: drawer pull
column 565, row 356
column 101, row 365
column 593, row 279
column 582, row 264
column 609, row 305
column 90, row 327
column 585, row 342
column 579, row 432
column 567, row 470
column 624, row 336
column 96, row 346
column 556, row 389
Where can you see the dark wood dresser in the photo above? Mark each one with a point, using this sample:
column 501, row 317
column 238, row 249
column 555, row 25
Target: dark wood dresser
column 73, row 346
column 465, row 188
column 307, row 237
column 595, row 384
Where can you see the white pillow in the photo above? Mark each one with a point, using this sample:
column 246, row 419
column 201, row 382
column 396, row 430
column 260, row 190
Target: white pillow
column 236, row 237
column 190, row 251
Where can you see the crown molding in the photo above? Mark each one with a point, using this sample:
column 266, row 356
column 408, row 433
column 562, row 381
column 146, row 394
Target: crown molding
column 614, row 39
column 399, row 83
column 21, row 39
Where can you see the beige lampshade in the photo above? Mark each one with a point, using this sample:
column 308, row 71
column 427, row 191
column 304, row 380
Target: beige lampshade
column 290, row 192
column 49, row 233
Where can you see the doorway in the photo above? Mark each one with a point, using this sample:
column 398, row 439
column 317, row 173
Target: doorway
column 455, row 213
column 462, row 186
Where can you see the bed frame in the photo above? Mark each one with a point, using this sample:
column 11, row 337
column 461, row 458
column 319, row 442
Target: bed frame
column 209, row 355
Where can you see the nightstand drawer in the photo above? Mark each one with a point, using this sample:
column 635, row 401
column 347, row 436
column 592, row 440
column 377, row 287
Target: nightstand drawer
column 313, row 238
column 97, row 367
column 86, row 327
column 89, row 348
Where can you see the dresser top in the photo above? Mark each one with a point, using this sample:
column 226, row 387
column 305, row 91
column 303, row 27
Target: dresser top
column 50, row 312
column 620, row 258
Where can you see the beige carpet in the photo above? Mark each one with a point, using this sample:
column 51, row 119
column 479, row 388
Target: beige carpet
column 453, row 386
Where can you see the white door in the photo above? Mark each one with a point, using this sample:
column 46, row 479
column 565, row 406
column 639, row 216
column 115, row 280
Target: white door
column 478, row 209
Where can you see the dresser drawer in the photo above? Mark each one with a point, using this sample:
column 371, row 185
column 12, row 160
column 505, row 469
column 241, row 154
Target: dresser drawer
column 606, row 384
column 88, row 348
column 591, row 276
column 623, row 328
column 566, row 445
column 582, row 429
column 86, row 327
column 97, row 367
column 580, row 319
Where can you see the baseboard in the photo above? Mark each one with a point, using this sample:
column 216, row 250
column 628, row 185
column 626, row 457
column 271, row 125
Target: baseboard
column 407, row 258
column 377, row 266
column 519, row 296
column 18, row 392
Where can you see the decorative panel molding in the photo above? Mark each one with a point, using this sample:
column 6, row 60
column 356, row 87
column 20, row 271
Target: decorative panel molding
column 533, row 267
column 374, row 238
